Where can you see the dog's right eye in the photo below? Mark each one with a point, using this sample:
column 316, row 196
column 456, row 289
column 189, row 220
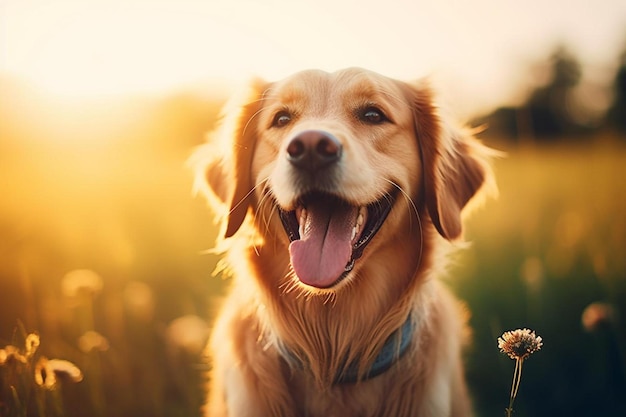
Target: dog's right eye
column 282, row 118
column 372, row 115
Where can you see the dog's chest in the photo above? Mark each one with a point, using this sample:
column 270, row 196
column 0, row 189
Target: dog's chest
column 339, row 401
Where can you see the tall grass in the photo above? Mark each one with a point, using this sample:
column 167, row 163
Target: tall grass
column 549, row 248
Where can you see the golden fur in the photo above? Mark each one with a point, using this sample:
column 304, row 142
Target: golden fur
column 243, row 171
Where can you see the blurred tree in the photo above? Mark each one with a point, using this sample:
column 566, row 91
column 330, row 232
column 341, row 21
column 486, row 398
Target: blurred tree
column 617, row 113
column 547, row 113
column 549, row 106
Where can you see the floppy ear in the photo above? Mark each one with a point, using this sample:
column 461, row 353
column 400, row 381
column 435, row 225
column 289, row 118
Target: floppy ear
column 223, row 164
column 454, row 165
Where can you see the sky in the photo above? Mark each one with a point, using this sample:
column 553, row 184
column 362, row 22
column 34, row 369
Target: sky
column 479, row 50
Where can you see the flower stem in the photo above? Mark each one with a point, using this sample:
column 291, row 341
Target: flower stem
column 517, row 377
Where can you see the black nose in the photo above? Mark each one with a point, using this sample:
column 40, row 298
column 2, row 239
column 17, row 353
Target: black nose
column 313, row 150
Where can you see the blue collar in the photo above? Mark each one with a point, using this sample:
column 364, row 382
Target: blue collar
column 395, row 346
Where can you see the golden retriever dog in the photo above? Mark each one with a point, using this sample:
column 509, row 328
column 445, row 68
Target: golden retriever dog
column 339, row 195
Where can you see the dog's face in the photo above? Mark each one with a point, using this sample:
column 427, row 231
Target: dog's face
column 340, row 161
column 334, row 150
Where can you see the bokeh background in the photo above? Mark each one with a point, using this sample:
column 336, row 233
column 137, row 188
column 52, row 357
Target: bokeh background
column 104, row 249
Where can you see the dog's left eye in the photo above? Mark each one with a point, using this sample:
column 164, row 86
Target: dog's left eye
column 372, row 115
column 282, row 118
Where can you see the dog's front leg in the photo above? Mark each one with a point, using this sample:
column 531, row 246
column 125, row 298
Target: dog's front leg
column 247, row 379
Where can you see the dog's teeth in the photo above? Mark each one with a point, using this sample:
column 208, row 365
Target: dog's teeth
column 303, row 215
column 359, row 220
column 302, row 221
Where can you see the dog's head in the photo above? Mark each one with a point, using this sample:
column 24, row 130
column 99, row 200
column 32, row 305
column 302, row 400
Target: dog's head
column 334, row 159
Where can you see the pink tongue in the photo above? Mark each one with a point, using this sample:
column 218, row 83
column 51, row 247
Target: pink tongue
column 325, row 248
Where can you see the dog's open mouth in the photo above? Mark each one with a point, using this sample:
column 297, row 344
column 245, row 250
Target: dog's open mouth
column 328, row 235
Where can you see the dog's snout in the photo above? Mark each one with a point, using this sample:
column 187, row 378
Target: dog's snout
column 313, row 150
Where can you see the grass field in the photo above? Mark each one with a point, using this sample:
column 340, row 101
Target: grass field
column 102, row 244
column 549, row 251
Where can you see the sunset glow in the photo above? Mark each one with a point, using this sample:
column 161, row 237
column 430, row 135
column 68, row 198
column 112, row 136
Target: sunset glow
column 97, row 47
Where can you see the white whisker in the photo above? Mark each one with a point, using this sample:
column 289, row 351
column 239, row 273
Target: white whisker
column 240, row 202
column 412, row 207
column 256, row 113
column 266, row 199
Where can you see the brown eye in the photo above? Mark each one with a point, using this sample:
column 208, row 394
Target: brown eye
column 372, row 115
column 281, row 119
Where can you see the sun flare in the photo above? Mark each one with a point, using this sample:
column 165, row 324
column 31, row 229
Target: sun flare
column 112, row 50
